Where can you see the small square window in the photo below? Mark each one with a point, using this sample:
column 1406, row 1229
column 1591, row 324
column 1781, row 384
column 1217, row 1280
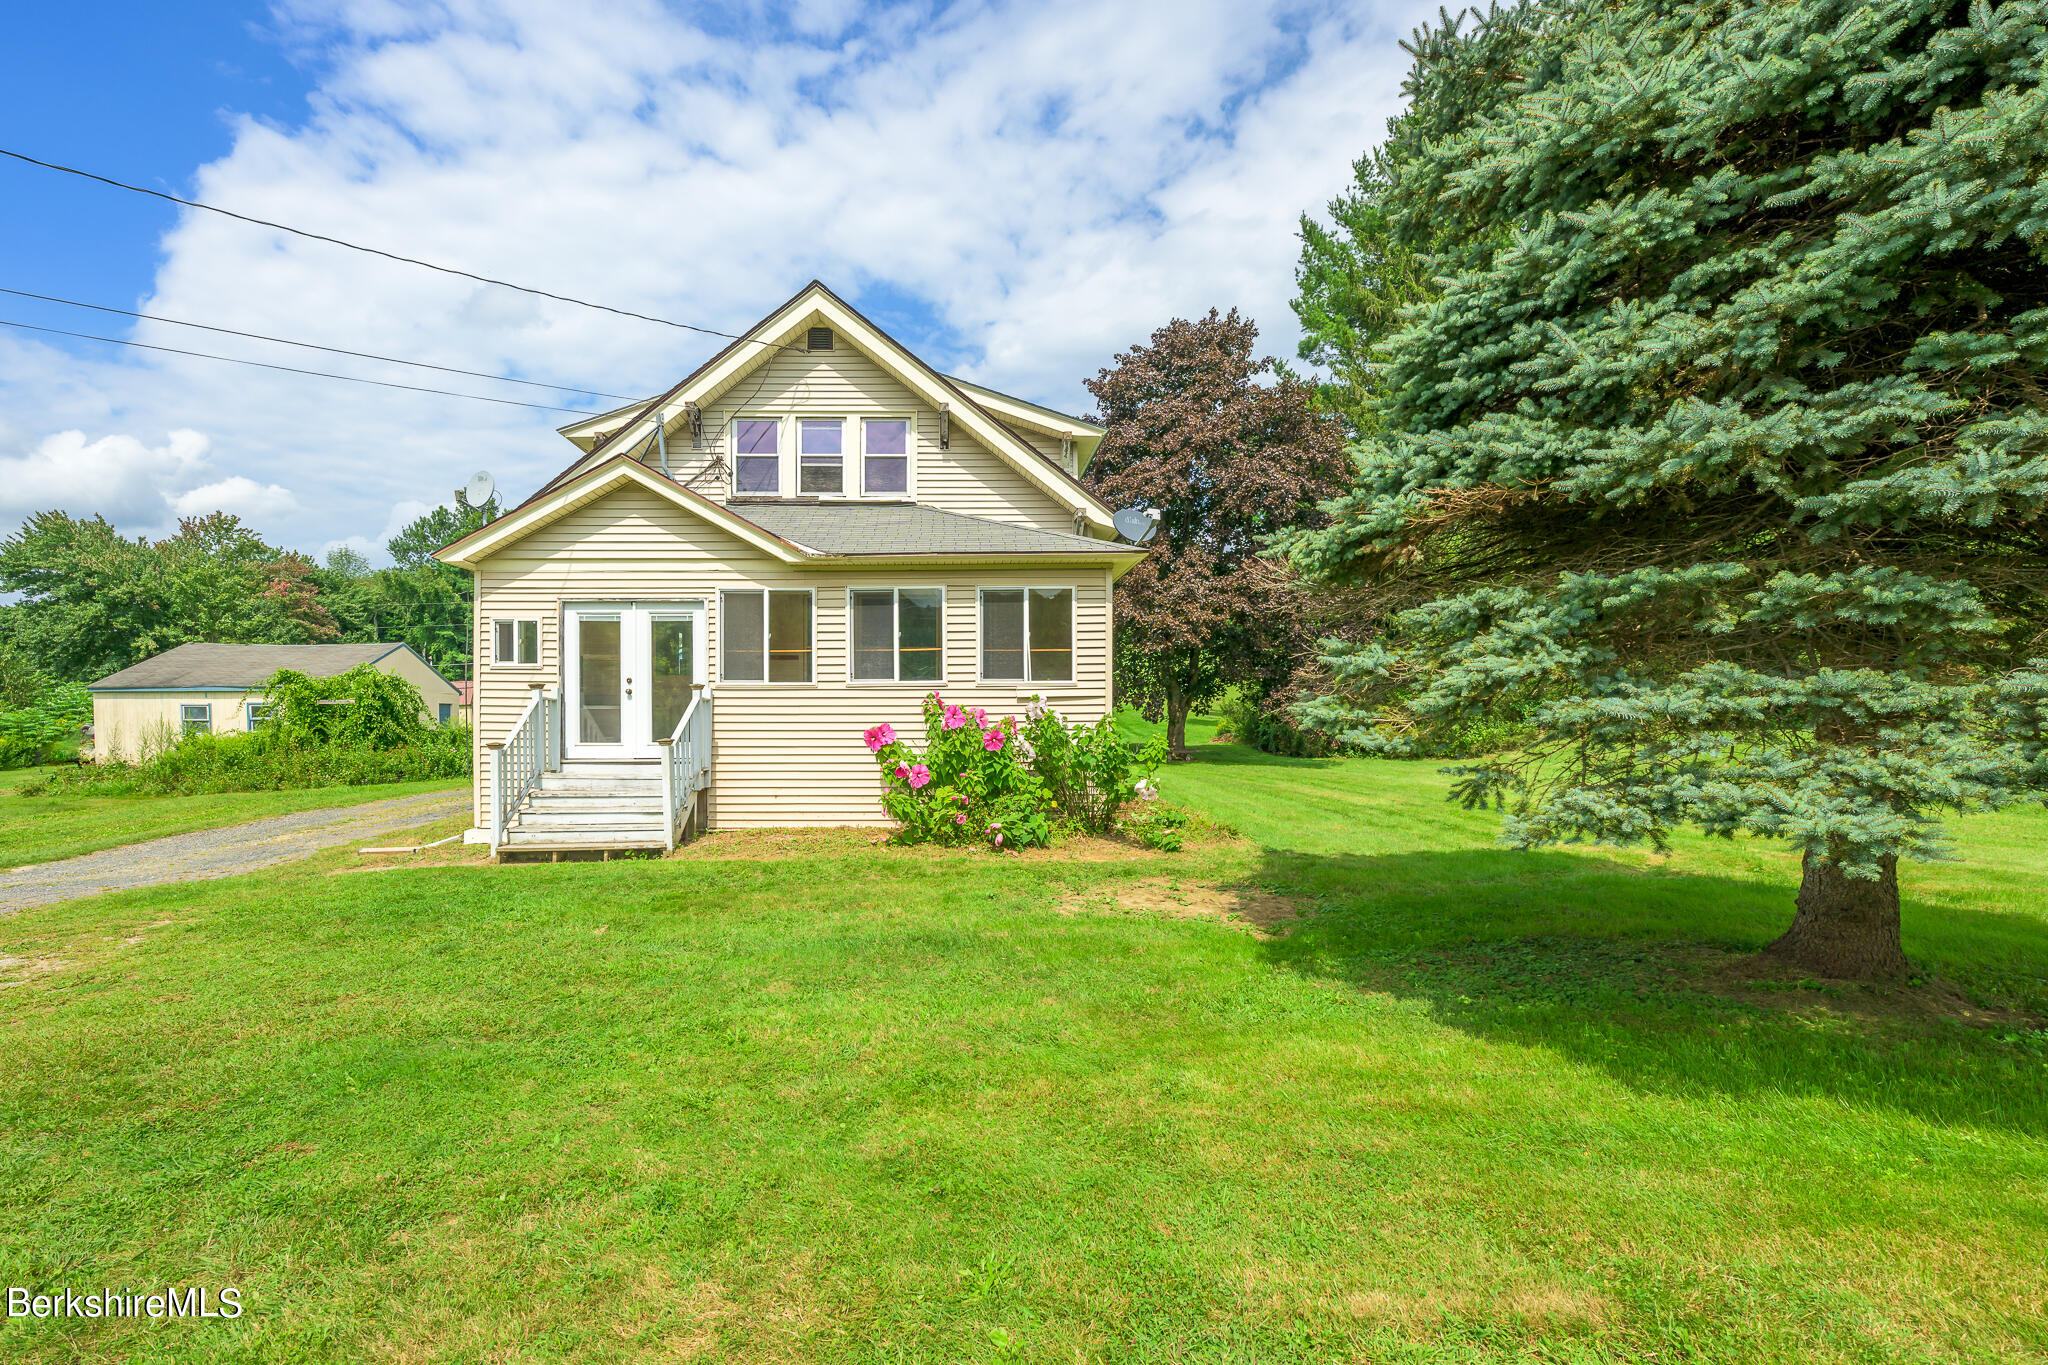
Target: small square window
column 447, row 712
column 757, row 456
column 195, row 718
column 821, row 459
column 885, row 455
column 255, row 713
column 515, row 641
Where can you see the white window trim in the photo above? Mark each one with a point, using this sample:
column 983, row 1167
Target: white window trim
column 896, row 637
column 1073, row 625
column 514, row 622
column 767, row 645
column 785, row 456
column 185, row 722
column 849, row 478
column 860, row 426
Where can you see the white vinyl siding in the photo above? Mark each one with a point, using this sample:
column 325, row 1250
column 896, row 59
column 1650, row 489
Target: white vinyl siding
column 789, row 754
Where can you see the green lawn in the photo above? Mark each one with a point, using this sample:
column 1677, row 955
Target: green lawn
column 809, row 1098
column 41, row 829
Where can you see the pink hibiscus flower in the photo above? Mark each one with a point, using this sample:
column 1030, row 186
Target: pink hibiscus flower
column 918, row 776
column 960, row 819
column 902, row 772
column 981, row 717
column 879, row 736
column 955, row 718
column 992, row 741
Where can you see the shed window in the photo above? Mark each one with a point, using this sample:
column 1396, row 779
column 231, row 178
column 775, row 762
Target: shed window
column 447, row 712
column 1027, row 634
column 765, row 636
column 254, row 713
column 885, row 455
column 757, row 456
column 897, row 634
column 821, row 460
column 195, row 718
column 516, row 641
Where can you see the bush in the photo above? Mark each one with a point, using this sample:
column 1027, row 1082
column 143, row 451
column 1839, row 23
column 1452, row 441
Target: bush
column 1266, row 722
column 33, row 733
column 362, row 708
column 999, row 783
column 266, row 760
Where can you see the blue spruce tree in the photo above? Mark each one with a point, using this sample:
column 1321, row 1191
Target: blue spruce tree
column 1722, row 454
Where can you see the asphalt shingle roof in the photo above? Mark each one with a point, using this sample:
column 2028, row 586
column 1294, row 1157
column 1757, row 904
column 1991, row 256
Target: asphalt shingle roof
column 203, row 665
column 906, row 528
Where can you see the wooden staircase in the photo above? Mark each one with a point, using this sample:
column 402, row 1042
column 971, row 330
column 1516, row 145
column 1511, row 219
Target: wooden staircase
column 590, row 808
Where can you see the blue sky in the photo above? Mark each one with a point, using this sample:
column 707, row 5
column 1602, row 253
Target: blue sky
column 1018, row 191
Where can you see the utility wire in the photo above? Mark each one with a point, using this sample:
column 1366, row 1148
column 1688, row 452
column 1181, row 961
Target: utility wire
column 293, row 369
column 388, row 255
column 311, row 346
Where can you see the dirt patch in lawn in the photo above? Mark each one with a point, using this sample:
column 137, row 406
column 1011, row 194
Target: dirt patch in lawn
column 19, row 971
column 1247, row 907
column 1764, row 981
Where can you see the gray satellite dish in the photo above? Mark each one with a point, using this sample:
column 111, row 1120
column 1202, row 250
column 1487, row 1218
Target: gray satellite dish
column 481, row 486
column 1136, row 524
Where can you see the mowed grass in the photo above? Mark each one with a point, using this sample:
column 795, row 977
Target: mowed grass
column 815, row 1098
column 42, row 829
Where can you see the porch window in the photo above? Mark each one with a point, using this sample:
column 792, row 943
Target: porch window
column 757, row 456
column 1027, row 634
column 515, row 641
column 820, row 458
column 765, row 636
column 195, row 718
column 897, row 634
column 885, row 455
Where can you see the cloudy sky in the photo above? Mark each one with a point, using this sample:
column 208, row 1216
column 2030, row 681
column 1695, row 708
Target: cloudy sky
column 1017, row 191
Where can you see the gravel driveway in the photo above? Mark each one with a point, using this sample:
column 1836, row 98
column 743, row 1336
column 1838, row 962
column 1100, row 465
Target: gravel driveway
column 221, row 852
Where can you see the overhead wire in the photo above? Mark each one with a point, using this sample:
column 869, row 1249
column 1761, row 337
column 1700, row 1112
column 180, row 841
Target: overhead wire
column 314, row 346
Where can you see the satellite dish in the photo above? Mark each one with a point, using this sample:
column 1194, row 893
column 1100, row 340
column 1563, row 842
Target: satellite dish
column 1136, row 524
column 481, row 486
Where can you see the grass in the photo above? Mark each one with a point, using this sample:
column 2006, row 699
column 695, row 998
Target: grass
column 806, row 1097
column 41, row 829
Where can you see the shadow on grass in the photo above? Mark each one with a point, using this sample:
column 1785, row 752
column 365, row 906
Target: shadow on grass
column 1645, row 973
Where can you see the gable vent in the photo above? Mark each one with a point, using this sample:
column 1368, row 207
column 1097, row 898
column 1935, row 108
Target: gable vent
column 821, row 339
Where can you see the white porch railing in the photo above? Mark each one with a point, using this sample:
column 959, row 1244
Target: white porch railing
column 533, row 747
column 686, row 766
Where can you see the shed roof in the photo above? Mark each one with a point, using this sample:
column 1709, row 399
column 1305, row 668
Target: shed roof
column 206, row 665
column 900, row 529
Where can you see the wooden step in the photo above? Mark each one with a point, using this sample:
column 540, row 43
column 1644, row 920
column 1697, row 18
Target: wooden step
column 584, row 802
column 579, row 836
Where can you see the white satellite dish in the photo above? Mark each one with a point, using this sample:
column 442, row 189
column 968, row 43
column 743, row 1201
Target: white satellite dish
column 1136, row 524
column 481, row 486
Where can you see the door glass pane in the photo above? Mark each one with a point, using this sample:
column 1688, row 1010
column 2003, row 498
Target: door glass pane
column 675, row 668
column 597, row 681
column 917, row 628
column 1052, row 634
column 789, row 637
column 874, row 649
column 740, row 641
column 1002, row 633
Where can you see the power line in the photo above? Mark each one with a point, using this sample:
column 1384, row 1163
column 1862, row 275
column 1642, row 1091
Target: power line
column 293, row 369
column 311, row 346
column 388, row 255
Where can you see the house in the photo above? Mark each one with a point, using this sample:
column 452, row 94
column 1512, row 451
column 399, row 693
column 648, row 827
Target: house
column 690, row 626
column 461, row 713
column 219, row 688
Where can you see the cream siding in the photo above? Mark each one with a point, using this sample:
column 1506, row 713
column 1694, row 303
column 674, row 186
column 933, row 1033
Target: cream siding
column 784, row 754
column 843, row 382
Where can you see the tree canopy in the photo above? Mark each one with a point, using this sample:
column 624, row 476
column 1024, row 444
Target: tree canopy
column 1722, row 452
column 1227, row 461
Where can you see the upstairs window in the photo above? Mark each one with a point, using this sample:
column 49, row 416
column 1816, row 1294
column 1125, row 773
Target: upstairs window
column 896, row 634
column 765, row 636
column 821, row 461
column 757, row 456
column 885, row 455
column 1027, row 634
column 515, row 642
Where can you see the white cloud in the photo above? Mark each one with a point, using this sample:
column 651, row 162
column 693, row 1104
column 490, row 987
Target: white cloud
column 1049, row 182
column 253, row 502
column 131, row 484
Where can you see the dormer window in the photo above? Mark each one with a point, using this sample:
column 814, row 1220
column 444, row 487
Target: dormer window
column 885, row 455
column 757, row 456
column 820, row 456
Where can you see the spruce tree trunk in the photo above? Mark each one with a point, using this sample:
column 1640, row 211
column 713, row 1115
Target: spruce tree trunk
column 1845, row 926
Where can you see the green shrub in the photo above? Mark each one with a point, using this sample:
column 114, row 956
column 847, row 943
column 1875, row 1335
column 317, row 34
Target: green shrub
column 971, row 784
column 33, row 733
column 362, row 708
column 267, row 760
column 1088, row 768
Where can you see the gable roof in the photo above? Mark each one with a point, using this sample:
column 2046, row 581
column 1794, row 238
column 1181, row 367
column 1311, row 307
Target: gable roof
column 795, row 531
column 740, row 356
column 240, row 666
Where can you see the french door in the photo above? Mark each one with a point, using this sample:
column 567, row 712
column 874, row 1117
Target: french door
column 627, row 674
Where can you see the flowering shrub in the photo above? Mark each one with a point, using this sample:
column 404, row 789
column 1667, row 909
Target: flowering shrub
column 971, row 785
column 1089, row 770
